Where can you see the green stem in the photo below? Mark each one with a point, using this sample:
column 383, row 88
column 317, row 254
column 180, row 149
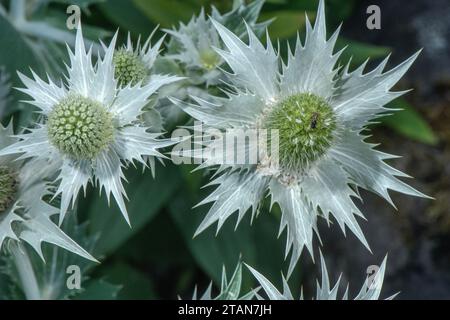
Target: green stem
column 26, row 273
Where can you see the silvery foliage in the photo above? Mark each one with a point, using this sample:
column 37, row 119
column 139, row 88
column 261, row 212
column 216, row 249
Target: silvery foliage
column 190, row 42
column 370, row 290
column 148, row 53
column 229, row 289
column 329, row 184
column 29, row 218
column 132, row 141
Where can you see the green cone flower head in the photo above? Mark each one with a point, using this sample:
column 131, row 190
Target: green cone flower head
column 24, row 214
column 80, row 127
column 92, row 128
column 318, row 112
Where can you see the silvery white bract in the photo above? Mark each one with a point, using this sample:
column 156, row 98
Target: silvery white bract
column 91, row 131
column 27, row 216
column 5, row 89
column 370, row 289
column 193, row 44
column 319, row 113
column 134, row 62
column 229, row 289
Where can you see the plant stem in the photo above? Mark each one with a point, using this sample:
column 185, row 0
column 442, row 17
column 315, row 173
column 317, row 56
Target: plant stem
column 26, row 272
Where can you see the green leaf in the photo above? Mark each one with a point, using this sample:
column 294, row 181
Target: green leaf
column 167, row 13
column 286, row 23
column 147, row 196
column 409, row 123
column 359, row 52
column 15, row 54
column 126, row 15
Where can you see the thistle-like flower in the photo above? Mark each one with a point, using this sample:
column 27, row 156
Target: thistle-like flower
column 24, row 213
column 193, row 44
column 132, row 64
column 370, row 290
column 91, row 130
column 5, row 89
column 317, row 113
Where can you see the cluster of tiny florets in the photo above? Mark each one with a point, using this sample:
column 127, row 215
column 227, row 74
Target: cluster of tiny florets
column 8, row 188
column 80, row 127
column 305, row 124
column 129, row 68
column 209, row 59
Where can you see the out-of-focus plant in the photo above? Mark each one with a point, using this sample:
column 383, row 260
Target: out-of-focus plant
column 229, row 289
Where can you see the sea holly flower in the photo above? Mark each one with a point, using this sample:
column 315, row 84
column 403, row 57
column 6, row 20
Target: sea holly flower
column 24, row 213
column 370, row 290
column 92, row 130
column 317, row 114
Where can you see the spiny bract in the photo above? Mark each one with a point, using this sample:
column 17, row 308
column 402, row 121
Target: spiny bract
column 8, row 187
column 82, row 148
column 80, row 127
column 24, row 214
column 370, row 290
column 133, row 63
column 5, row 88
column 230, row 289
column 322, row 151
column 193, row 44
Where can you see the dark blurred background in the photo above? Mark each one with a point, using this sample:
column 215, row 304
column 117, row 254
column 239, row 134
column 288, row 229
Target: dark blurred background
column 158, row 258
